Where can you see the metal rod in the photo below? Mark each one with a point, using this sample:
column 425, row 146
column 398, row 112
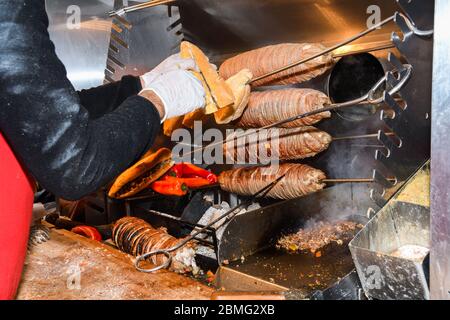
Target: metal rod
column 396, row 99
column 378, row 146
column 140, row 6
column 374, row 135
column 331, row 49
column 376, row 48
column 355, row 180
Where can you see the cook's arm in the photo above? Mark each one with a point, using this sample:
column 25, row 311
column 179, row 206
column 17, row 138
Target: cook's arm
column 50, row 131
column 106, row 98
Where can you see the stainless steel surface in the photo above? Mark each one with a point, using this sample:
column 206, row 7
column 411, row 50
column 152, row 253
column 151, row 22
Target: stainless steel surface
column 141, row 6
column 410, row 123
column 83, row 46
column 259, row 229
column 140, row 40
column 302, row 270
column 440, row 155
column 232, row 280
column 383, row 275
column 234, row 25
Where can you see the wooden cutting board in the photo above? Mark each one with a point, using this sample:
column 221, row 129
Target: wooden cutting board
column 70, row 266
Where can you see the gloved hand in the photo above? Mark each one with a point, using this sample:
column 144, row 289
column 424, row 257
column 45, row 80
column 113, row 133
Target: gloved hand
column 179, row 91
column 174, row 62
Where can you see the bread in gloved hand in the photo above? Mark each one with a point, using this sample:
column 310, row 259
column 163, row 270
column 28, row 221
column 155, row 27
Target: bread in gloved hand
column 219, row 95
column 241, row 91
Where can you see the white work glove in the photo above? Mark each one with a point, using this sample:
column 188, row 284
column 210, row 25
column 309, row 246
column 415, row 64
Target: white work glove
column 179, row 91
column 174, row 62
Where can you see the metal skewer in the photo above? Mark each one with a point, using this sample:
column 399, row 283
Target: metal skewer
column 229, row 213
column 389, row 45
column 140, row 6
column 363, row 136
column 354, row 180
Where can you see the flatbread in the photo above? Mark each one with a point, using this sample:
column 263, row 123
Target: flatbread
column 141, row 174
column 241, row 91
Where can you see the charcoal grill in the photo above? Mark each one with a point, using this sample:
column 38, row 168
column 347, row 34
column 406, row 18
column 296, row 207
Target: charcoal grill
column 224, row 28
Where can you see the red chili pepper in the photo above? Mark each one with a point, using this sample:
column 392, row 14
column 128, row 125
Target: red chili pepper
column 176, row 171
column 192, row 170
column 88, row 232
column 193, row 183
column 170, row 187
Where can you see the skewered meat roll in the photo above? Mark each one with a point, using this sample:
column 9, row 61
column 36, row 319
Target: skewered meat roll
column 267, row 59
column 136, row 237
column 268, row 107
column 299, row 180
column 286, row 144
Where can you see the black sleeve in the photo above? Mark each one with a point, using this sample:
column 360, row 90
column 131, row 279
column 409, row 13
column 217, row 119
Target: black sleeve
column 42, row 118
column 104, row 99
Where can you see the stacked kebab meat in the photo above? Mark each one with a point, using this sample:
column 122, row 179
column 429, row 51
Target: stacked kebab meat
column 137, row 237
column 294, row 140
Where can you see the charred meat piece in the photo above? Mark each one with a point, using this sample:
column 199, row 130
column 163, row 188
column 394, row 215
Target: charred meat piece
column 268, row 107
column 298, row 180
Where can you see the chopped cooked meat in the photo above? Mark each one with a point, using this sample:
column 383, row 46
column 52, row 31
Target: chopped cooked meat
column 317, row 237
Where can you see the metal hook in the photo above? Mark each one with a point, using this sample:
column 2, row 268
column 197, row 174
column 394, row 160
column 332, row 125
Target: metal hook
column 145, row 256
column 418, row 32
